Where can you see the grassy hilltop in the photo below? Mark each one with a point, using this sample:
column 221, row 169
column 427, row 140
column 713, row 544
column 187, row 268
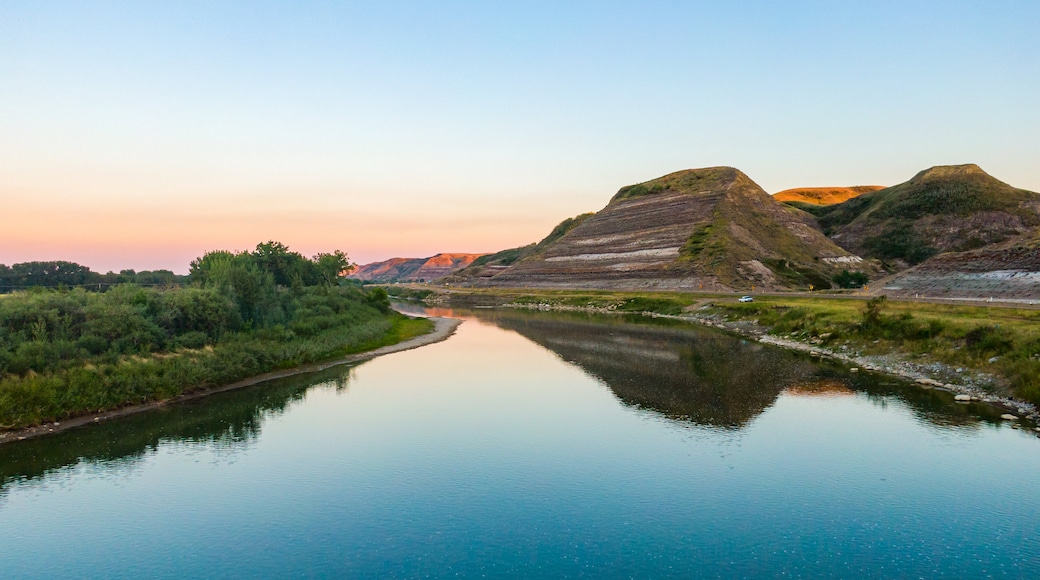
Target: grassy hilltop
column 822, row 195
column 943, row 209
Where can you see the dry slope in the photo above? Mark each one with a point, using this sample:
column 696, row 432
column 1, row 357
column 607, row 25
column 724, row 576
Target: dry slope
column 413, row 269
column 711, row 229
column 1009, row 271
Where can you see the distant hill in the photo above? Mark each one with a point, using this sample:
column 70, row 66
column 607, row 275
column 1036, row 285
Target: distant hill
column 943, row 209
column 490, row 264
column 705, row 229
column 823, row 195
column 413, row 269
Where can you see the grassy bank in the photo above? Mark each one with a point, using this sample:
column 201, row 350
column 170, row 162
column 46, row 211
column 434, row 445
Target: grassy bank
column 1002, row 343
column 66, row 352
column 90, row 384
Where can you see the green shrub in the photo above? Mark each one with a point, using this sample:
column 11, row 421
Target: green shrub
column 848, row 279
column 987, row 340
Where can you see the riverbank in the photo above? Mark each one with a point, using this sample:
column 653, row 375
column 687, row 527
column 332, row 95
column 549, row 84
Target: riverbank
column 443, row 328
column 977, row 353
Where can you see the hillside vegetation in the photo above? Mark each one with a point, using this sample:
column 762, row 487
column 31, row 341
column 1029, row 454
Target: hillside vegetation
column 942, row 209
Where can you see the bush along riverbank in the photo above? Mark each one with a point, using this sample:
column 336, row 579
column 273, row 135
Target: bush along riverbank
column 980, row 353
column 70, row 352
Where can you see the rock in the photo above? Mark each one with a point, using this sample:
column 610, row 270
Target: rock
column 854, row 370
column 960, row 369
column 962, row 398
column 993, row 359
column 929, row 382
column 1009, row 417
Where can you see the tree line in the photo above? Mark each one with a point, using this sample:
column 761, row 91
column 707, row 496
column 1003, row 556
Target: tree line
column 70, row 349
column 72, row 275
column 274, row 258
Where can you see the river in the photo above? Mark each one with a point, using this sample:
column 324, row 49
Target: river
column 538, row 445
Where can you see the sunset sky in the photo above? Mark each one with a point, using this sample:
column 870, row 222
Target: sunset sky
column 141, row 134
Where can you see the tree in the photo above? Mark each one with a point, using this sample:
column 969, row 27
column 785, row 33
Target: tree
column 285, row 265
column 332, row 267
column 207, row 269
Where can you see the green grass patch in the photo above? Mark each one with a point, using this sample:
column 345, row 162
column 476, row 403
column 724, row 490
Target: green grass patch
column 960, row 336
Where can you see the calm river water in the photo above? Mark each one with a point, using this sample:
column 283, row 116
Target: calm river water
column 537, row 445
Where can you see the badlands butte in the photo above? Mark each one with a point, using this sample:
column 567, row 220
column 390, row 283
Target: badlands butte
column 949, row 232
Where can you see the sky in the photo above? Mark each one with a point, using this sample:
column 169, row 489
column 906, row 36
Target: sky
column 143, row 134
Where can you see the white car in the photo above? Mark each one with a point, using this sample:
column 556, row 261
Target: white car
column 746, row 299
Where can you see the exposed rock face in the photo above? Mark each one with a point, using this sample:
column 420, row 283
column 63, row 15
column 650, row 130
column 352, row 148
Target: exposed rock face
column 1008, row 272
column 413, row 269
column 710, row 229
column 824, row 195
column 943, row 209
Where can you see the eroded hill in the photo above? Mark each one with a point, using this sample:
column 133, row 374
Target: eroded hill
column 952, row 208
column 1008, row 271
column 710, row 229
column 491, row 264
column 823, row 195
column 413, row 269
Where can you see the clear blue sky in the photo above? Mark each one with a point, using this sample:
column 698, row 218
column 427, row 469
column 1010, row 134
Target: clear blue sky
column 139, row 134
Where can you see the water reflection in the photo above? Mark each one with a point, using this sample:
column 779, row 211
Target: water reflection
column 693, row 374
column 229, row 420
column 682, row 372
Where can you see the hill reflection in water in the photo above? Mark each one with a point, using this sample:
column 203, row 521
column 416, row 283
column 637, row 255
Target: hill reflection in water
column 688, row 374
column 709, row 378
column 684, row 373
